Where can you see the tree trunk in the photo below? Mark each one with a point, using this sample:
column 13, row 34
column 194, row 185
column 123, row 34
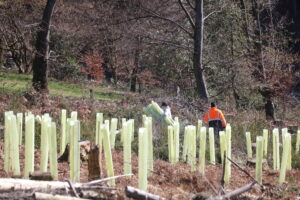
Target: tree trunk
column 267, row 93
column 198, row 47
column 140, row 85
column 270, row 110
column 245, row 19
column 258, row 41
column 1, row 51
column 133, row 80
column 40, row 63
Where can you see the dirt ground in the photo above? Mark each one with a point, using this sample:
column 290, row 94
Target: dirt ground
column 176, row 181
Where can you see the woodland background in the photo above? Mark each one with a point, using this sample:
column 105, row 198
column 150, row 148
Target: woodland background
column 243, row 54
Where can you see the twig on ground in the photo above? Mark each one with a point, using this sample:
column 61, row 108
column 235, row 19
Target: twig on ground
column 106, row 179
column 239, row 191
column 72, row 188
column 247, row 173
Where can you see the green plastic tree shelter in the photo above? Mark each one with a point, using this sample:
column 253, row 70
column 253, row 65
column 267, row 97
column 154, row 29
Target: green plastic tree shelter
column 171, row 149
column 143, row 154
column 74, row 115
column 249, row 144
column 7, row 141
column 63, row 127
column 29, row 144
column 45, row 142
column 99, row 122
column 276, row 150
column 53, row 151
column 176, row 138
column 212, row 156
column 74, row 150
column 223, row 145
column 191, row 146
column 298, row 141
column 14, row 163
column 266, row 140
column 123, row 124
column 192, row 149
column 202, row 149
column 148, row 126
column 126, row 131
column 185, row 143
column 113, row 130
column 284, row 159
column 228, row 154
column 156, row 112
column 131, row 129
column 259, row 157
column 199, row 125
column 107, row 153
column 68, row 131
column 20, row 127
column 289, row 155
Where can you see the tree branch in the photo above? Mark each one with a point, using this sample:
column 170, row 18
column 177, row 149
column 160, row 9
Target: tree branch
column 155, row 15
column 213, row 12
column 167, row 42
column 187, row 14
column 239, row 191
column 190, row 4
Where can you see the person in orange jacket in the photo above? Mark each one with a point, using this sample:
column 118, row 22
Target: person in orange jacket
column 215, row 118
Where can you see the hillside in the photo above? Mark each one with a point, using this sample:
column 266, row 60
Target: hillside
column 85, row 70
column 175, row 181
column 172, row 181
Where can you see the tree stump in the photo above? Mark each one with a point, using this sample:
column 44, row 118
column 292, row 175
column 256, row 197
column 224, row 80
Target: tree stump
column 85, row 147
column 94, row 164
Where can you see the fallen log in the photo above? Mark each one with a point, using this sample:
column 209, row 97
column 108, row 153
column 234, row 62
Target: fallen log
column 135, row 193
column 43, row 176
column 45, row 196
column 13, row 185
column 99, row 195
column 230, row 195
column 9, row 185
column 239, row 191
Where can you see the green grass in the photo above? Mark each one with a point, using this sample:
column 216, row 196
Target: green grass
column 10, row 82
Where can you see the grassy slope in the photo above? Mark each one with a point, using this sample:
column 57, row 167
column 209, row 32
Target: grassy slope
column 20, row 82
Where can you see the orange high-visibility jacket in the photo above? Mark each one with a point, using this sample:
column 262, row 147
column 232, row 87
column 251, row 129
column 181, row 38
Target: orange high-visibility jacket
column 214, row 114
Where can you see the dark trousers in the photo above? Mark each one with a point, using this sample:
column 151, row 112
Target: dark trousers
column 217, row 125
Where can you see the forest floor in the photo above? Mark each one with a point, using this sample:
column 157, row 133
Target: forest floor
column 172, row 181
column 176, row 181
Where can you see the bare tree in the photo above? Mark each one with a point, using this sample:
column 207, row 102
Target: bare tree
column 194, row 14
column 198, row 49
column 40, row 63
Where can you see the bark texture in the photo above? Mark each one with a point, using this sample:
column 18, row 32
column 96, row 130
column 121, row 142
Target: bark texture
column 198, row 49
column 40, row 63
